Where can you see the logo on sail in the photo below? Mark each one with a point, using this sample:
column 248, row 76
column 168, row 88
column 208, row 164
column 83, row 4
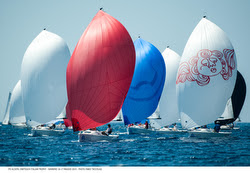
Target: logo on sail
column 205, row 65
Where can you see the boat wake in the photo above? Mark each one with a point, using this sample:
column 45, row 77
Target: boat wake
column 161, row 138
column 122, row 133
column 128, row 140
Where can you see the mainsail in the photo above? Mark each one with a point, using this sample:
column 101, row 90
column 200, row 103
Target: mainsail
column 99, row 72
column 119, row 116
column 62, row 114
column 17, row 115
column 6, row 118
column 43, row 76
column 147, row 83
column 168, row 109
column 206, row 75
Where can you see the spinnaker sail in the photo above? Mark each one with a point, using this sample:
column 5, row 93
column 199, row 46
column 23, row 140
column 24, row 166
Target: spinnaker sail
column 147, row 83
column 43, row 76
column 206, row 75
column 168, row 109
column 99, row 72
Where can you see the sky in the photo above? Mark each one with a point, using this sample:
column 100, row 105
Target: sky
column 160, row 22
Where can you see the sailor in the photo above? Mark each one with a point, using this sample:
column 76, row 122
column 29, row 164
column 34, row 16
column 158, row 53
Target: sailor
column 175, row 127
column 53, row 126
column 146, row 125
column 108, row 131
column 94, row 129
column 130, row 125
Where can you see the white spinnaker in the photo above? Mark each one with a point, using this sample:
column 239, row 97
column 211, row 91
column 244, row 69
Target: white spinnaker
column 168, row 108
column 6, row 118
column 17, row 115
column 206, row 75
column 43, row 76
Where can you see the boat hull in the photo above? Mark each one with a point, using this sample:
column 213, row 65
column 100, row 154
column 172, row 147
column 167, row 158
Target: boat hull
column 47, row 132
column 139, row 130
column 94, row 136
column 170, row 131
column 19, row 125
column 207, row 133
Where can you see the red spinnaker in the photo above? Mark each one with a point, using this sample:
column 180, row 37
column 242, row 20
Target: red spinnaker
column 99, row 72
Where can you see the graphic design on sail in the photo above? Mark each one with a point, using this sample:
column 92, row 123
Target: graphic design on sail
column 206, row 75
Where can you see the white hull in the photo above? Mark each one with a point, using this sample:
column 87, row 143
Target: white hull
column 225, row 127
column 139, row 130
column 94, row 136
column 170, row 131
column 19, row 125
column 47, row 132
column 206, row 133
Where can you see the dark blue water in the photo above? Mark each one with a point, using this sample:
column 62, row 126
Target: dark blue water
column 17, row 148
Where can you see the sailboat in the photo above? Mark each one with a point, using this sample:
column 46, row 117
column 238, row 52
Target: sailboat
column 234, row 104
column 168, row 110
column 99, row 74
column 17, row 116
column 146, row 87
column 206, row 77
column 43, row 76
column 6, row 118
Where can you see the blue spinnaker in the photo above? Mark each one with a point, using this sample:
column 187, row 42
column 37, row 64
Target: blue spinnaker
column 147, row 83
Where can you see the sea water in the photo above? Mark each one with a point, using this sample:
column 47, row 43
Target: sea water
column 18, row 148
